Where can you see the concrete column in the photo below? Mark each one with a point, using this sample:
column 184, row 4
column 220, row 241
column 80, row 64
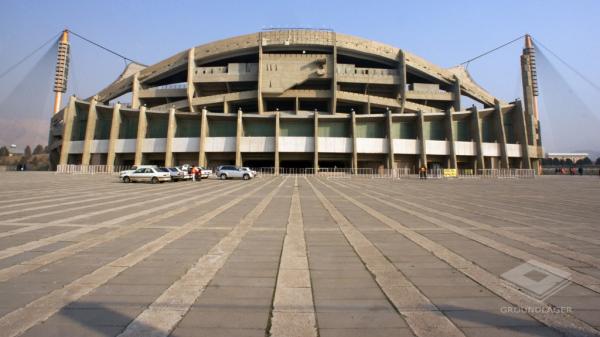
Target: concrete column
column 316, row 142
column 391, row 163
column 297, row 104
column 141, row 135
column 135, row 91
column 333, row 104
column 519, row 115
column 203, row 135
column 170, row 135
column 476, row 131
column 90, row 129
column 450, row 137
column 68, row 116
column 456, row 99
column 423, row 152
column 225, row 107
column 191, row 89
column 261, row 108
column 402, row 77
column 238, row 139
column 501, row 133
column 354, row 148
column 276, row 149
column 114, row 135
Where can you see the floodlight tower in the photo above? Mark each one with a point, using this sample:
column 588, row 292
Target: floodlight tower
column 62, row 69
column 530, row 96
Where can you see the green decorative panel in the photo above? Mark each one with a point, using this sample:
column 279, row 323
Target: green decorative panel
column 370, row 129
column 404, row 130
column 488, row 129
column 223, row 128
column 128, row 127
column 259, row 128
column 509, row 128
column 462, row 130
column 434, row 130
column 102, row 128
column 157, row 128
column 334, row 129
column 296, row 128
column 187, row 127
column 79, row 122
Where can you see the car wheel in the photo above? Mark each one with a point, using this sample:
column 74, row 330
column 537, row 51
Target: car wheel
column 246, row 177
column 154, row 180
column 126, row 180
column 223, row 176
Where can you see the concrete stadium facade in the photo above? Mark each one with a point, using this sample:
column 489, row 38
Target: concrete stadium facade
column 302, row 99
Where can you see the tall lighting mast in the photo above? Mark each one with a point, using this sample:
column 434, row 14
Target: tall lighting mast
column 62, row 69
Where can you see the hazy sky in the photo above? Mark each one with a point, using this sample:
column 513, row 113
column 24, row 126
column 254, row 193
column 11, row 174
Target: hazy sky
column 444, row 32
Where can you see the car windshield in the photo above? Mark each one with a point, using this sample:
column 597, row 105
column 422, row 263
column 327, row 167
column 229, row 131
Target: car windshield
column 163, row 169
column 172, row 169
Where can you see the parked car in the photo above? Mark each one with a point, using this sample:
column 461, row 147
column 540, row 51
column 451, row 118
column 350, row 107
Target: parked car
column 178, row 174
column 249, row 170
column 204, row 172
column 148, row 174
column 133, row 169
column 232, row 172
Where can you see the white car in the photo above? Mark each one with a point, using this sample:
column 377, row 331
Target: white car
column 232, row 172
column 204, row 172
column 133, row 169
column 149, row 174
column 249, row 170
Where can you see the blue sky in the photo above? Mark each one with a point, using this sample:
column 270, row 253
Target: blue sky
column 444, row 32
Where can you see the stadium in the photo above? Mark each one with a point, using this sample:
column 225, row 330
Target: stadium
column 298, row 98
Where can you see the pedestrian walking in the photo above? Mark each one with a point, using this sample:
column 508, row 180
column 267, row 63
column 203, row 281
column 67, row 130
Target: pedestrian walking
column 194, row 173
column 423, row 172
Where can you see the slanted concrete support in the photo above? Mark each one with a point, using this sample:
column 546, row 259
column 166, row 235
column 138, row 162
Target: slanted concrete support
column 423, row 151
column 261, row 108
column 316, row 142
column 190, row 78
column 276, row 149
column 476, row 131
column 170, row 136
column 135, row 92
column 333, row 104
column 450, row 138
column 297, row 104
column 141, row 135
column 456, row 99
column 501, row 133
column 68, row 116
column 519, row 116
column 402, row 76
column 391, row 163
column 203, row 135
column 238, row 139
column 90, row 129
column 114, row 135
column 354, row 148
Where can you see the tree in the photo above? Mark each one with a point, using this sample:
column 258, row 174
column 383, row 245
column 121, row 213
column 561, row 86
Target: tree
column 27, row 152
column 39, row 149
column 5, row 153
column 598, row 161
column 586, row 161
column 569, row 162
column 556, row 162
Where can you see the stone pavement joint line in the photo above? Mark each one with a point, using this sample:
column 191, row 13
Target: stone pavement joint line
column 542, row 312
column 22, row 319
column 293, row 306
column 168, row 309
column 422, row 316
column 39, row 261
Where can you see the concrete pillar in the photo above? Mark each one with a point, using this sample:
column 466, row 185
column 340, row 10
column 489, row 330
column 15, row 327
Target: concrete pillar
column 68, row 116
column 316, row 143
column 391, row 163
column 519, row 116
column 402, row 78
column 297, row 104
column 261, row 108
column 476, row 131
column 238, row 139
column 354, row 148
column 114, row 135
column 456, row 99
column 135, row 91
column 501, row 133
column 333, row 104
column 141, row 135
column 423, row 152
column 450, row 138
column 203, row 135
column 276, row 149
column 191, row 69
column 90, row 129
column 170, row 135
column 225, row 107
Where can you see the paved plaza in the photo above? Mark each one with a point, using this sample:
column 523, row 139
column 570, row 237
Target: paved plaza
column 299, row 256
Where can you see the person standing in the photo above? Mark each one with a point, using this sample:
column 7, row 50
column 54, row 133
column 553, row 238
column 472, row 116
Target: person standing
column 194, row 173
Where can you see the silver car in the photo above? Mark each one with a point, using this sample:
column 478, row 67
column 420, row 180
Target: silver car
column 149, row 174
column 232, row 172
